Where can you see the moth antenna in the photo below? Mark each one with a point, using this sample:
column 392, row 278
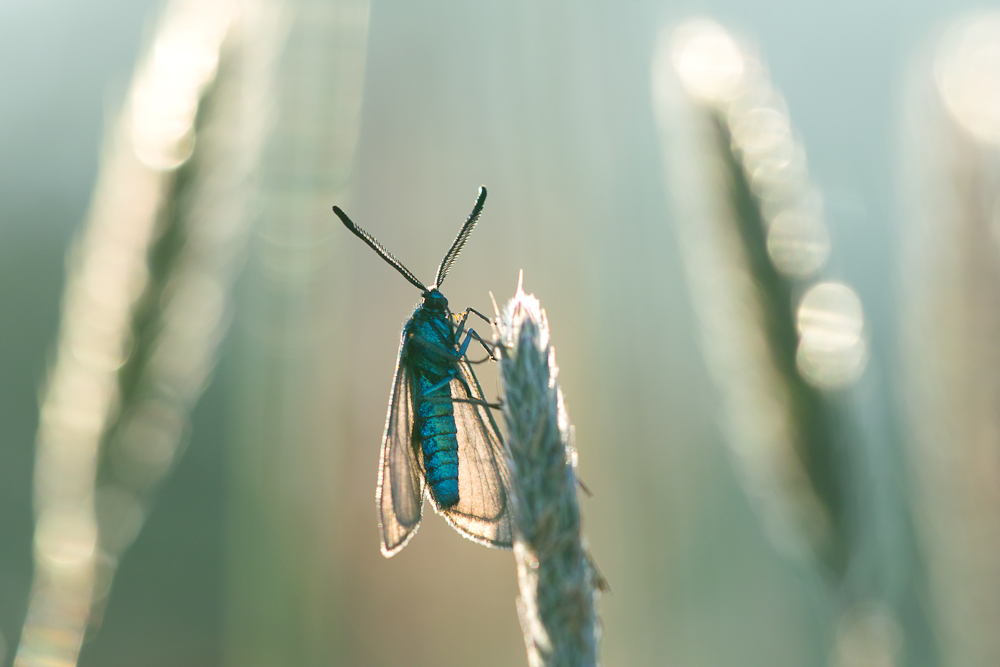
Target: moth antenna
column 379, row 248
column 463, row 236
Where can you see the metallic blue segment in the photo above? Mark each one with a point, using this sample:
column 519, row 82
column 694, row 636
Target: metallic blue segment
column 439, row 449
column 438, row 407
column 445, row 492
column 438, row 426
column 443, row 470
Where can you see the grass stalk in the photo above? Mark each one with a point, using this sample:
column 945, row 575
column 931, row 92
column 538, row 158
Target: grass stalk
column 145, row 305
column 950, row 318
column 752, row 231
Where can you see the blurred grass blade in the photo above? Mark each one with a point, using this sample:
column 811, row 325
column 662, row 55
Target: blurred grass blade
column 283, row 606
column 949, row 329
column 557, row 605
column 145, row 304
column 754, row 240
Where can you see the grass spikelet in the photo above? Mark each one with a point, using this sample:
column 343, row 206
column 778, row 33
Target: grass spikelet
column 557, row 602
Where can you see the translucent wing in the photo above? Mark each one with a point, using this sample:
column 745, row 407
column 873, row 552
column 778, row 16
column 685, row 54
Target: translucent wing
column 400, row 480
column 483, row 512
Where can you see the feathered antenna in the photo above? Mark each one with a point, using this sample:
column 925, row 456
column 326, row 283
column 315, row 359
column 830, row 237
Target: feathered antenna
column 463, row 236
column 380, row 249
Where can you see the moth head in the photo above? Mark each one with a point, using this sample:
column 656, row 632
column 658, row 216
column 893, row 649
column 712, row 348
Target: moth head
column 435, row 301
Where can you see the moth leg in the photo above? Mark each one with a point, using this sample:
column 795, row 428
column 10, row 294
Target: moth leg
column 440, row 384
column 435, row 348
column 473, row 310
column 495, row 406
column 490, row 348
column 465, row 343
column 465, row 316
column 480, row 361
column 461, row 323
column 471, row 334
column 473, row 401
column 447, row 354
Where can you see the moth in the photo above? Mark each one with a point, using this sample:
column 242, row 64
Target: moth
column 440, row 440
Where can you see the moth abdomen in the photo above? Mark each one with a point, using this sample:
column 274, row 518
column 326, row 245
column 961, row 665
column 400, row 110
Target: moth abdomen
column 436, row 429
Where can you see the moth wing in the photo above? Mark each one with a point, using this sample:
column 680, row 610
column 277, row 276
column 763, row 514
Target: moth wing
column 483, row 512
column 400, row 486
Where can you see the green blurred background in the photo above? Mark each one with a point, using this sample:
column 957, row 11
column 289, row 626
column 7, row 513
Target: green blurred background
column 548, row 105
